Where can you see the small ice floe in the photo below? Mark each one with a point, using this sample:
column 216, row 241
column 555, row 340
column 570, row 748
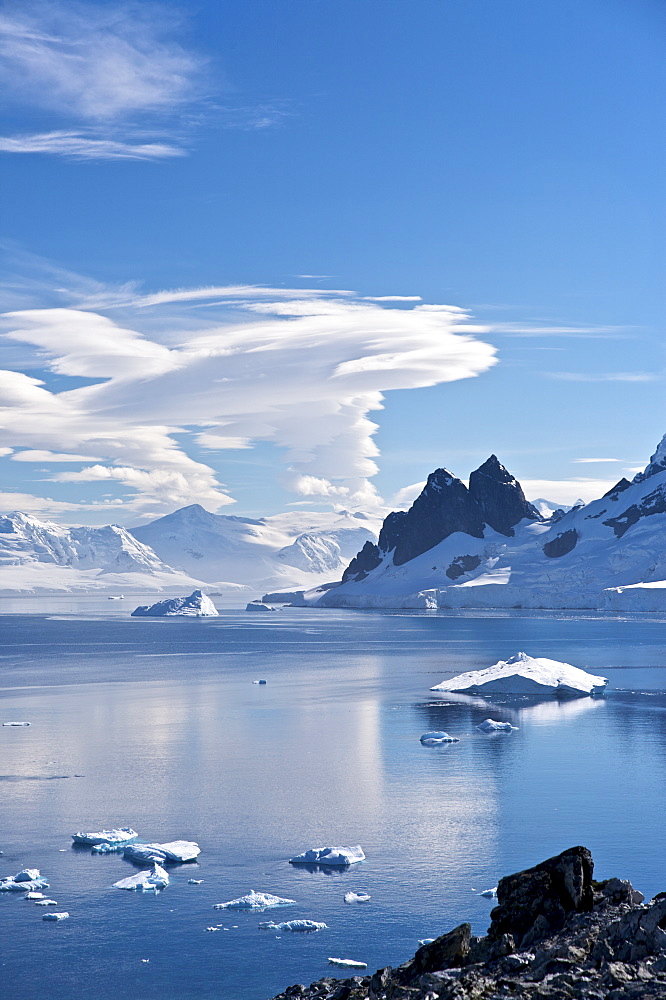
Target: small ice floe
column 34, row 895
column 196, row 605
column 490, row 893
column 423, row 941
column 259, row 682
column 107, row 848
column 490, row 726
column 119, row 835
column 55, row 916
column 29, row 880
column 175, row 852
column 156, row 878
column 523, row 674
column 357, row 897
column 27, row 875
column 213, row 929
column 432, row 739
column 17, row 723
column 349, row 962
column 254, row 901
column 46, row 902
column 258, row 606
column 333, row 856
column 195, row 881
column 302, row 926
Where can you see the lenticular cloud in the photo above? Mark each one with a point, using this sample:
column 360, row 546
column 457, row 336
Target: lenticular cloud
column 303, row 369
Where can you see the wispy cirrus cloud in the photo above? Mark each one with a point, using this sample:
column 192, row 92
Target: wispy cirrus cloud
column 604, row 376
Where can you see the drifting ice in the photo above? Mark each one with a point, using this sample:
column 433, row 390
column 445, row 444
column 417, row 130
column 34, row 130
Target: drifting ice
column 46, row 902
column 431, row 739
column 348, row 962
column 34, row 895
column 254, row 901
column 17, row 723
column 490, row 726
column 489, row 893
column 116, row 836
column 55, row 916
column 306, row 926
column 197, row 605
column 329, row 856
column 523, row 674
column 157, row 878
column 27, row 875
column 29, row 880
column 357, row 897
column 177, row 851
column 258, row 606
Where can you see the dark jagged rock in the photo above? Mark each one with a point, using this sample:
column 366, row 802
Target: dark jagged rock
column 500, row 497
column 619, row 487
column 462, row 565
column 561, row 544
column 653, row 503
column 389, row 536
column 587, row 941
column 366, row 560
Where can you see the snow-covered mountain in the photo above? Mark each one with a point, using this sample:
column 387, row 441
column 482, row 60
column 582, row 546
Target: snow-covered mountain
column 487, row 547
column 270, row 553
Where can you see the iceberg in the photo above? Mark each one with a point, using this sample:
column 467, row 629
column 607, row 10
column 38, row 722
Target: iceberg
column 46, row 902
column 523, row 674
column 34, row 895
column 489, row 893
column 432, row 739
column 258, row 606
column 349, row 962
column 303, row 926
column 27, row 875
column 197, row 605
column 156, row 878
column 490, row 726
column 175, row 852
column 17, row 723
column 426, row 941
column 29, row 880
column 254, row 901
column 357, row 897
column 329, row 856
column 195, row 881
column 55, row 916
column 110, row 837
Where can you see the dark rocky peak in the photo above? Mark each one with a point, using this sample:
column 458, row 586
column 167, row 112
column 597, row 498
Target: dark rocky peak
column 444, row 506
column 619, row 487
column 500, row 497
column 656, row 464
column 363, row 562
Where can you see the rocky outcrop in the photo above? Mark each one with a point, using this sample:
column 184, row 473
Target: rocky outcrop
column 367, row 559
column 500, row 497
column 562, row 544
column 555, row 933
column 653, row 503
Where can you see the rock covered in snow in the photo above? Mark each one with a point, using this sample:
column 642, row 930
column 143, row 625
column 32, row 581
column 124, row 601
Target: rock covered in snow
column 527, row 675
column 175, row 852
column 491, row 726
column 155, row 878
column 334, row 856
column 437, row 736
column 119, row 835
column 197, row 605
column 304, row 926
column 254, row 901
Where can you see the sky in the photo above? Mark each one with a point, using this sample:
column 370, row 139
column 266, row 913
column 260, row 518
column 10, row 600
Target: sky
column 266, row 256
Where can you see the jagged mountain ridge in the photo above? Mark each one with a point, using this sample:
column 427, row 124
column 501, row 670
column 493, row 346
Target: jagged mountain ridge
column 459, row 547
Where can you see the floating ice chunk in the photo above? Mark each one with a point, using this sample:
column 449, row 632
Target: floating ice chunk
column 156, row 878
column 46, row 902
column 329, row 856
column 175, row 852
column 523, row 674
column 17, row 723
column 34, row 895
column 490, row 726
column 107, row 848
column 426, row 941
column 55, row 916
column 254, row 901
column 303, row 926
column 348, row 962
column 432, row 739
column 11, row 885
column 357, row 897
column 213, row 928
column 118, row 835
column 27, row 875
column 490, row 893
column 259, row 682
column 258, row 606
column 195, row 881
column 197, row 605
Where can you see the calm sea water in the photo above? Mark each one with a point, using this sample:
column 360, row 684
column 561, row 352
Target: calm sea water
column 157, row 725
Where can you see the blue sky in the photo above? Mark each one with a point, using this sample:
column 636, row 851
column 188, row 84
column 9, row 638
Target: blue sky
column 294, row 170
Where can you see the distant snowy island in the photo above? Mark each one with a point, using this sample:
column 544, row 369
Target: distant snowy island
column 482, row 545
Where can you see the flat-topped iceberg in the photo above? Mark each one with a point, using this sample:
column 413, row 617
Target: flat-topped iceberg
column 175, row 852
column 531, row 675
column 29, row 880
column 254, row 901
column 357, row 897
column 491, row 726
column 306, row 926
column 197, row 605
column 329, row 856
column 258, row 606
column 432, row 739
column 156, row 878
column 116, row 836
column 56, row 916
column 348, row 962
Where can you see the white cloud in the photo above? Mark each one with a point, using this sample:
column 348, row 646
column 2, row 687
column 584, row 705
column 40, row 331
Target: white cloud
column 302, row 369
column 407, row 495
column 585, row 461
column 566, row 491
column 49, row 456
column 79, row 146
column 604, row 376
